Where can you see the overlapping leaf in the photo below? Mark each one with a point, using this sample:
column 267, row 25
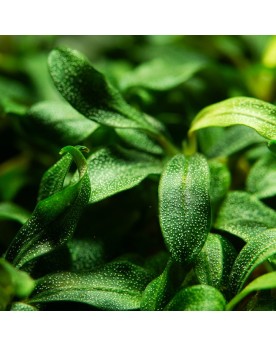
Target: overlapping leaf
column 55, row 217
column 256, row 251
column 214, row 262
column 90, row 93
column 115, row 286
column 197, row 298
column 243, row 215
column 184, row 206
column 112, row 170
column 257, row 114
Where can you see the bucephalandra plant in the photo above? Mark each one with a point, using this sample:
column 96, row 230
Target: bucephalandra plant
column 146, row 208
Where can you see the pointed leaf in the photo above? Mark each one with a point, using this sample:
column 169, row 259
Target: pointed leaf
column 197, row 298
column 256, row 251
column 90, row 93
column 257, row 114
column 244, row 215
column 184, row 206
column 54, row 218
column 112, row 170
column 264, row 282
column 214, row 262
column 262, row 176
column 115, row 286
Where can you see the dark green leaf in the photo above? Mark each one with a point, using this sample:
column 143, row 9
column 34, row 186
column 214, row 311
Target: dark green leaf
column 90, row 93
column 115, row 286
column 54, row 218
column 259, row 115
column 112, row 170
column 10, row 211
column 184, row 206
column 262, row 177
column 244, row 215
column 256, row 251
column 59, row 122
column 197, row 298
column 264, row 282
column 215, row 261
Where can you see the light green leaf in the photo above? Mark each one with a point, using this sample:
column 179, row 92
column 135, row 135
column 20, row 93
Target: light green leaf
column 184, row 206
column 115, row 286
column 11, row 211
column 262, row 176
column 256, row 251
column 264, row 282
column 197, row 298
column 257, row 114
column 214, row 262
column 54, row 218
column 161, row 73
column 244, row 215
column 112, row 170
column 20, row 306
column 90, row 93
column 59, row 122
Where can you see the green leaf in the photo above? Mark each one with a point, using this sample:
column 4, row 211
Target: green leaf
column 13, row 282
column 244, row 215
column 59, row 122
column 54, row 218
column 20, row 306
column 112, row 170
column 160, row 290
column 214, row 262
column 264, row 282
column 115, row 286
column 184, row 206
column 228, row 141
column 11, row 211
column 254, row 113
column 139, row 140
column 256, row 251
column 272, row 146
column 197, row 298
column 262, row 176
column 161, row 74
column 219, row 183
column 90, row 93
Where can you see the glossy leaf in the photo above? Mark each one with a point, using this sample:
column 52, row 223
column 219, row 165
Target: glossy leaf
column 115, row 286
column 244, row 215
column 197, row 298
column 112, row 170
column 256, row 251
column 59, row 122
column 11, row 211
column 161, row 74
column 54, row 218
column 90, row 93
column 262, row 177
column 257, row 114
column 184, row 206
column 214, row 262
column 264, row 282
column 20, row 306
